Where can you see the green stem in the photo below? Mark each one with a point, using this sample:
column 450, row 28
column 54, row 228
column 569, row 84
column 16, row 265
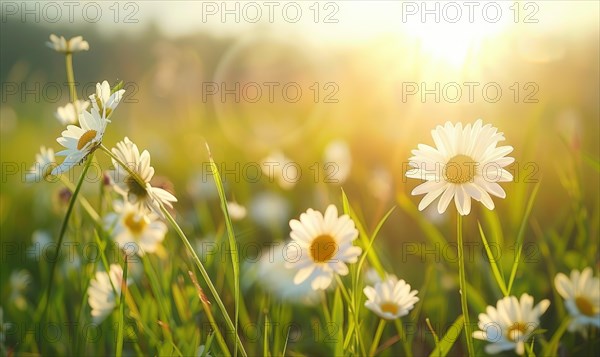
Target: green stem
column 61, row 235
column 377, row 337
column 83, row 202
column 159, row 295
column 119, row 348
column 206, row 307
column 344, row 292
column 405, row 345
column 189, row 247
column 463, row 285
column 71, row 76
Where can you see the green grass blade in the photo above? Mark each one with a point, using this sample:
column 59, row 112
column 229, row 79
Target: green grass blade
column 436, row 339
column 590, row 160
column 446, row 343
column 338, row 320
column 521, row 235
column 287, row 338
column 232, row 242
column 121, row 325
column 493, row 263
column 363, row 236
column 552, row 347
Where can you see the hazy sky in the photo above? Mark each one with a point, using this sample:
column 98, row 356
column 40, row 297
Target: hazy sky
column 324, row 21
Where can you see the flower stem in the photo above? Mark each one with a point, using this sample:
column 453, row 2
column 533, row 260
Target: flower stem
column 71, row 76
column 189, row 247
column 119, row 348
column 377, row 337
column 83, row 202
column 206, row 307
column 63, row 230
column 402, row 334
column 463, row 285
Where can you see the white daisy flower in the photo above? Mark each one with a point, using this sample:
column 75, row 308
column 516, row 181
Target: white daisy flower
column 101, row 295
column 19, row 281
column 44, row 163
column 69, row 114
column 466, row 163
column 582, row 298
column 81, row 140
column 337, row 162
column 390, row 298
column 325, row 246
column 271, row 274
column 510, row 324
column 136, row 230
column 127, row 186
column 236, row 211
column 105, row 102
column 281, row 169
column 60, row 44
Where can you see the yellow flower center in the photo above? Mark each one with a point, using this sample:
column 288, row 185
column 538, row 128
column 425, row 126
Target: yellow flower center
column 323, row 248
column 460, row 169
column 135, row 188
column 584, row 306
column 516, row 331
column 135, row 223
column 389, row 307
column 86, row 138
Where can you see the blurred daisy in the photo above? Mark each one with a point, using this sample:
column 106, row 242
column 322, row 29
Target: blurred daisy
column 201, row 186
column 269, row 210
column 271, row 274
column 44, row 163
column 60, row 44
column 126, row 185
column 338, row 162
column 372, row 277
column 380, row 184
column 582, row 298
column 390, row 298
column 80, row 141
column 510, row 324
column 41, row 239
column 19, row 281
column 136, row 230
column 325, row 244
column 69, row 114
column 101, row 295
column 466, row 163
column 236, row 211
column 281, row 169
column 105, row 102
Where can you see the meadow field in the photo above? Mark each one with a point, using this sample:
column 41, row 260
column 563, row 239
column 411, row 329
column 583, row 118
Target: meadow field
column 389, row 178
